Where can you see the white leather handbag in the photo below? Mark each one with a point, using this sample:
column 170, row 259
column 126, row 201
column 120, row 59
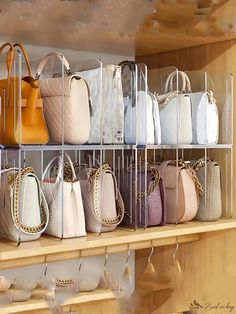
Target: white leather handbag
column 142, row 113
column 175, row 113
column 205, row 119
column 107, row 119
column 142, row 120
column 66, row 104
column 65, row 203
column 210, row 206
column 23, row 208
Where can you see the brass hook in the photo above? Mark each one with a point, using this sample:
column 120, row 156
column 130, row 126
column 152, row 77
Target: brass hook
column 46, row 266
column 151, row 254
column 106, row 259
column 128, row 256
column 81, row 260
column 176, row 248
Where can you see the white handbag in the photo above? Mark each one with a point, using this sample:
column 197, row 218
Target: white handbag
column 210, row 206
column 205, row 119
column 66, row 104
column 143, row 114
column 141, row 107
column 23, row 208
column 175, row 114
column 65, row 203
column 107, row 119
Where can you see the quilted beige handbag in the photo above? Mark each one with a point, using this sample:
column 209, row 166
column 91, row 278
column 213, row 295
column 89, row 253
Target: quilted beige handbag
column 64, row 202
column 210, row 206
column 65, row 99
column 103, row 204
column 182, row 189
column 23, row 208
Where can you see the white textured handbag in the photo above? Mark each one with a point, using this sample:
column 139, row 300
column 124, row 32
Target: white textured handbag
column 143, row 114
column 175, row 114
column 66, row 105
column 141, row 107
column 210, row 206
column 23, row 208
column 65, row 203
column 205, row 119
column 107, row 120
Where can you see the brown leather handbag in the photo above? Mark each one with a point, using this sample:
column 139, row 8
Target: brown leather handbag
column 22, row 119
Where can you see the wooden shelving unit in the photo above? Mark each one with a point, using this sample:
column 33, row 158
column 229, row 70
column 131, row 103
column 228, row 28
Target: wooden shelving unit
column 33, row 305
column 53, row 249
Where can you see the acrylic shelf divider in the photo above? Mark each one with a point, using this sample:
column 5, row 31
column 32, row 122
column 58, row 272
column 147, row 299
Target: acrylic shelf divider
column 53, row 249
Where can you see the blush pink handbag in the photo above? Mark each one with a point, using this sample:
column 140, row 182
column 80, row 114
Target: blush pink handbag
column 182, row 189
column 103, row 204
column 149, row 207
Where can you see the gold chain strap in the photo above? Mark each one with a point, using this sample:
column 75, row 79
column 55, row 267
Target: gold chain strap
column 152, row 186
column 163, row 100
column 14, row 180
column 182, row 163
column 94, row 178
column 201, row 163
column 64, row 282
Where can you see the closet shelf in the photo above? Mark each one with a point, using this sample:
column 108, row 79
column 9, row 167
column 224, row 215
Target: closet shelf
column 119, row 240
column 34, row 305
column 113, row 147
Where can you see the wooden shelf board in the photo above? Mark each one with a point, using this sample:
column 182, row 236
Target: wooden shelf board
column 34, row 252
column 33, row 305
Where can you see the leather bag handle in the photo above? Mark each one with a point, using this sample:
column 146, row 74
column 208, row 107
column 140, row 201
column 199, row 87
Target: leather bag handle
column 185, row 81
column 26, row 57
column 45, row 60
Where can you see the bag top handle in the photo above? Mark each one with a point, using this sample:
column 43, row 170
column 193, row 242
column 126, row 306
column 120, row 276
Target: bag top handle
column 26, row 57
column 185, row 81
column 60, row 167
column 45, row 60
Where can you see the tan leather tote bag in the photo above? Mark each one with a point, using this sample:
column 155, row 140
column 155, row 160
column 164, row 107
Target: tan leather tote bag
column 183, row 190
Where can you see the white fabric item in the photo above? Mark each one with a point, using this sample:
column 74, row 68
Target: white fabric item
column 65, row 204
column 107, row 120
column 175, row 113
column 156, row 119
column 144, row 116
column 29, row 207
column 205, row 119
column 65, row 98
column 176, row 121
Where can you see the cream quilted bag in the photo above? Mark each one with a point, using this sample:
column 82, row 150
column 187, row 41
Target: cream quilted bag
column 66, row 104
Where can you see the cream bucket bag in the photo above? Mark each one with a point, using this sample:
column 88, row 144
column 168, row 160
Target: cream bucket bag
column 210, row 206
column 65, row 203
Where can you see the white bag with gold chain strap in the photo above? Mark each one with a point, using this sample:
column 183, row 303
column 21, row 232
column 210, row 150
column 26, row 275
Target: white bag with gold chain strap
column 23, row 208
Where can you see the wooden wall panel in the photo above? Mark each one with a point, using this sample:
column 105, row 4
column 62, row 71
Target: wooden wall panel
column 209, row 273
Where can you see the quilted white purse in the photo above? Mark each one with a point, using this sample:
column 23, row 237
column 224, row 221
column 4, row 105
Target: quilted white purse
column 23, row 208
column 210, row 207
column 205, row 119
column 175, row 113
column 65, row 203
column 107, row 119
column 65, row 99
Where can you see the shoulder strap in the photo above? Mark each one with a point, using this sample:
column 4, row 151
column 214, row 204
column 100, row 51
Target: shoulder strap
column 26, row 57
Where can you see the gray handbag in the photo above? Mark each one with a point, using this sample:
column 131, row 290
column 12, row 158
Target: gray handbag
column 210, row 205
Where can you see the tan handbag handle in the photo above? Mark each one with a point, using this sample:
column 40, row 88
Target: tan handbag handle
column 26, row 57
column 9, row 61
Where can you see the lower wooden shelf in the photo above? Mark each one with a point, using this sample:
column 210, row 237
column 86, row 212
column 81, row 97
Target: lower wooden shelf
column 119, row 240
column 34, row 305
